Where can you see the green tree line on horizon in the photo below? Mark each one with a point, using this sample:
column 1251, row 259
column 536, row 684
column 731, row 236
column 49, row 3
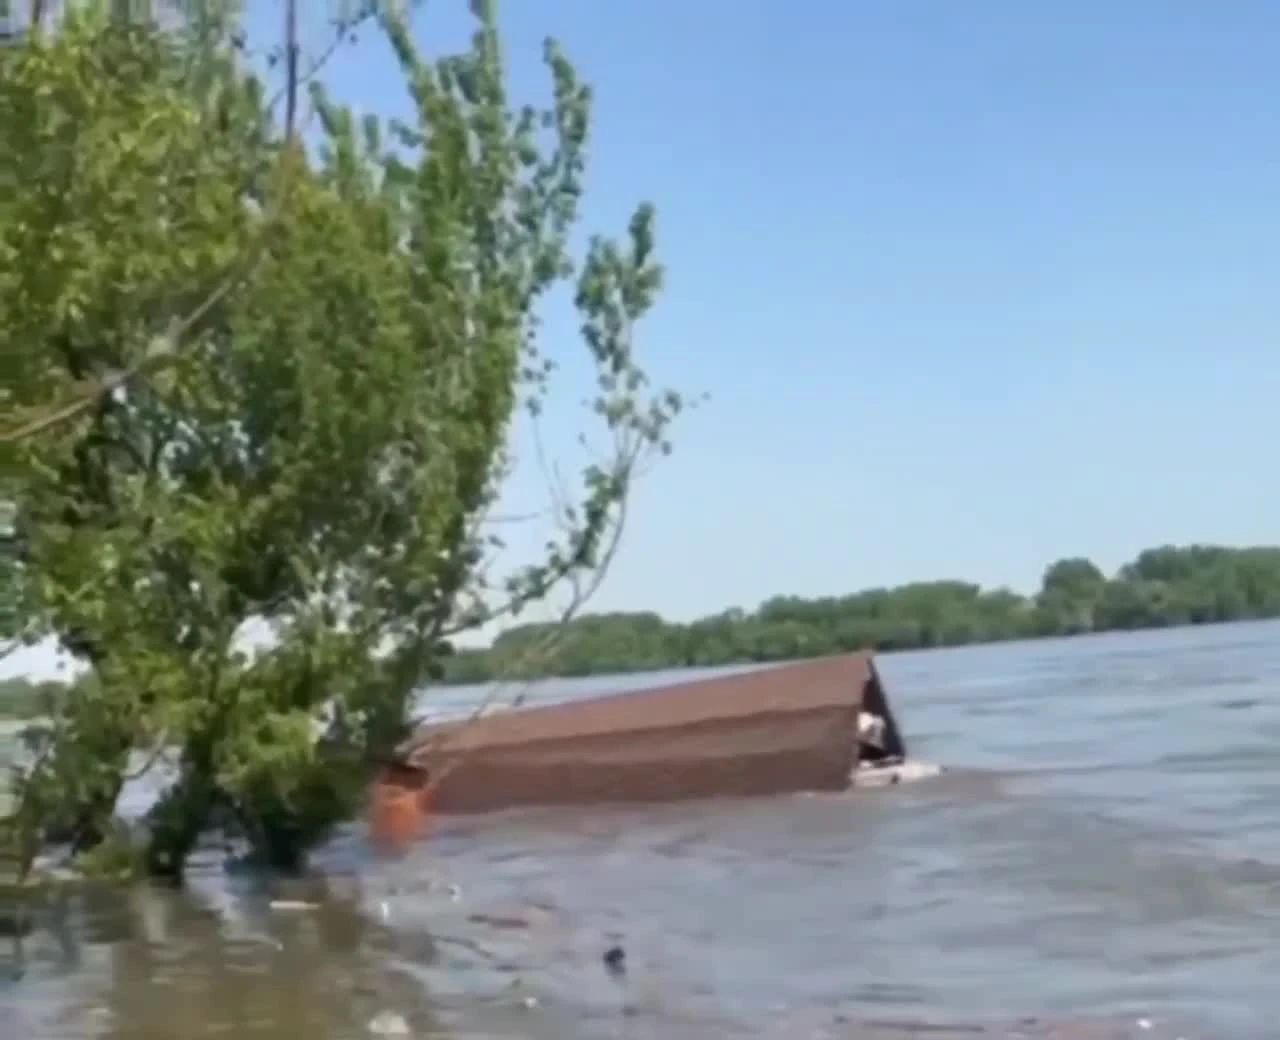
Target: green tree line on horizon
column 22, row 698
column 1161, row 587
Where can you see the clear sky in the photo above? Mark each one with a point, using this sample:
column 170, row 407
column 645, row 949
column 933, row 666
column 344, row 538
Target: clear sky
column 972, row 286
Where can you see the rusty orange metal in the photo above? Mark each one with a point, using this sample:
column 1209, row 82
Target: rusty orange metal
column 400, row 806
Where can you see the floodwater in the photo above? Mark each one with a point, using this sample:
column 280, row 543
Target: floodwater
column 1103, row 861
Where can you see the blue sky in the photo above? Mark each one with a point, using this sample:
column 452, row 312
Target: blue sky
column 972, row 286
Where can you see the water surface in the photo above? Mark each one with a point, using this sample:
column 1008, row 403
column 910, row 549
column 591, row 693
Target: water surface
column 1104, row 859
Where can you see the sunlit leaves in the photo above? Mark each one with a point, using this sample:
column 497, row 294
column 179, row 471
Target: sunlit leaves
column 89, row 114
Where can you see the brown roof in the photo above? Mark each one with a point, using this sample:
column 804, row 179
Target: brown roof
column 823, row 682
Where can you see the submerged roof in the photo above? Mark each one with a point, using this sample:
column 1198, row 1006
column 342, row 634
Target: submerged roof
column 825, row 682
column 437, row 704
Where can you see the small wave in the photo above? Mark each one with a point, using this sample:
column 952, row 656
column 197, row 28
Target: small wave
column 907, row 772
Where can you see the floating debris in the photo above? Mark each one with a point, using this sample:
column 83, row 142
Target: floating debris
column 803, row 726
column 292, row 904
column 388, row 1023
column 615, row 960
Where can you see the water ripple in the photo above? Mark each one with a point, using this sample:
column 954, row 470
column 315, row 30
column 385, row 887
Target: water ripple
column 1103, row 861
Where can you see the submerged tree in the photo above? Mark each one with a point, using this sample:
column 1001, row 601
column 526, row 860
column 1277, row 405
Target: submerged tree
column 248, row 384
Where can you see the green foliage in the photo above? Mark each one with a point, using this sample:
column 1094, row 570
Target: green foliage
column 23, row 699
column 11, row 583
column 1162, row 587
column 324, row 357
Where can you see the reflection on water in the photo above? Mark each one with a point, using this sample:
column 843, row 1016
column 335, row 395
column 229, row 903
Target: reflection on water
column 159, row 965
column 1103, row 862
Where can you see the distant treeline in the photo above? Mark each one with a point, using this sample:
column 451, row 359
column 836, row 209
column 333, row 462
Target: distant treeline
column 23, row 699
column 1193, row 585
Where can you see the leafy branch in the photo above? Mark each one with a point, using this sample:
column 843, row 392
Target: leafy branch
column 316, row 448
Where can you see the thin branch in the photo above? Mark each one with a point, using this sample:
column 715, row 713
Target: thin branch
column 25, row 829
column 629, row 447
column 159, row 355
column 163, row 351
column 291, row 69
column 627, row 457
column 541, row 649
column 554, row 636
column 161, row 746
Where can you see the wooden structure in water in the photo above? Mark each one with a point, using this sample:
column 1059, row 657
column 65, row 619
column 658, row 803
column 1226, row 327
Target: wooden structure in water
column 803, row 726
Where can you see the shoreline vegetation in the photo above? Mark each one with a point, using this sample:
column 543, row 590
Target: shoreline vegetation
column 23, row 700
column 1161, row 587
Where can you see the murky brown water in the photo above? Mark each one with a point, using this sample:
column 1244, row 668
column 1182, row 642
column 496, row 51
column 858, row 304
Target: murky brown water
column 1104, row 862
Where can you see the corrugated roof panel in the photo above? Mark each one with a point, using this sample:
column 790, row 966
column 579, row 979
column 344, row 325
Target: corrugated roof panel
column 690, row 699
column 446, row 703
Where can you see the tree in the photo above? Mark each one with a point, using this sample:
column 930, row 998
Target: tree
column 1073, row 578
column 292, row 379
